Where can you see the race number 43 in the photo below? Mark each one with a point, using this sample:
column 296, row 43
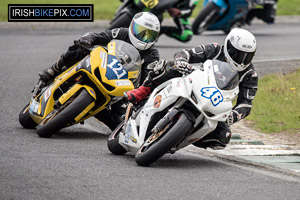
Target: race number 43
column 213, row 94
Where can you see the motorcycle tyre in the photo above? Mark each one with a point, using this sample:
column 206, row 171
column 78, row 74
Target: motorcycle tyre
column 160, row 147
column 66, row 116
column 25, row 119
column 208, row 9
column 122, row 21
column 113, row 141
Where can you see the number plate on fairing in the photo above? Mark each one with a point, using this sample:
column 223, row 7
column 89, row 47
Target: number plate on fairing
column 114, row 69
column 213, row 94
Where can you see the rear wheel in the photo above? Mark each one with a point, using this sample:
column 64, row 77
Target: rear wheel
column 159, row 144
column 113, row 141
column 60, row 118
column 208, row 15
column 25, row 119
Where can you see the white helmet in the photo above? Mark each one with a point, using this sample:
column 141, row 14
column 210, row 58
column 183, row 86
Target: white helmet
column 239, row 48
column 144, row 30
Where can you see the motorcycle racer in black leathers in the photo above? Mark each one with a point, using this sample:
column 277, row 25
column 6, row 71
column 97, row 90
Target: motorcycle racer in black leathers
column 142, row 34
column 238, row 49
column 181, row 12
column 267, row 13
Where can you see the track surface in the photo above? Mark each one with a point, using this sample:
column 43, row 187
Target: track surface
column 75, row 163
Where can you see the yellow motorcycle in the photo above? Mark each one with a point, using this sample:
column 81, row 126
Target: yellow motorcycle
column 85, row 89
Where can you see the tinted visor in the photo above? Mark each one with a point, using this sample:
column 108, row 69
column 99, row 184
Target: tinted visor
column 142, row 33
column 240, row 57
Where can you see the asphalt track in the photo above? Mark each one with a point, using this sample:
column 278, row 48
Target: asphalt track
column 75, row 163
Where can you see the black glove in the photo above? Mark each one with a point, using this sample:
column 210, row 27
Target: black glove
column 233, row 117
column 87, row 40
column 48, row 74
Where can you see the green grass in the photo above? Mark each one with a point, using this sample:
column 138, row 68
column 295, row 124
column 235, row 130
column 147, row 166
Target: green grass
column 105, row 9
column 276, row 107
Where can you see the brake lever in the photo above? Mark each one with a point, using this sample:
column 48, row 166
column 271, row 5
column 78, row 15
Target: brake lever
column 37, row 89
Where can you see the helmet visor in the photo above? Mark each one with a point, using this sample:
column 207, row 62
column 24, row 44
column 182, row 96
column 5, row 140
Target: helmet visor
column 238, row 56
column 142, row 33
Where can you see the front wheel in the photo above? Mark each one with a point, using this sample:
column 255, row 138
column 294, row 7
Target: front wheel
column 159, row 144
column 25, row 119
column 113, row 141
column 208, row 15
column 57, row 120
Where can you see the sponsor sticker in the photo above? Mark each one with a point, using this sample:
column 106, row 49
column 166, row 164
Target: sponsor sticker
column 47, row 94
column 157, row 101
column 121, row 83
column 134, row 140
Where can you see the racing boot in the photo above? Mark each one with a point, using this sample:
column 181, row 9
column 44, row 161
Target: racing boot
column 136, row 95
column 49, row 74
column 217, row 140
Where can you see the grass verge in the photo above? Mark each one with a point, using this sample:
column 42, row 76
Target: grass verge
column 276, row 104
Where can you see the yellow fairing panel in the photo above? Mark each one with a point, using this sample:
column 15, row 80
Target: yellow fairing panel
column 111, row 72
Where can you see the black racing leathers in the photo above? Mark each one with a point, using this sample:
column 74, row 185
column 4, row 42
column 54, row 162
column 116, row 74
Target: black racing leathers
column 74, row 53
column 248, row 77
column 247, row 89
column 183, row 30
column 266, row 12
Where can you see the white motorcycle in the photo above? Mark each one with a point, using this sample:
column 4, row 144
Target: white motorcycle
column 179, row 112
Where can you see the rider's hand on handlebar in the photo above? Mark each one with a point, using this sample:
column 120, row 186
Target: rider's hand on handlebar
column 86, row 40
column 183, row 67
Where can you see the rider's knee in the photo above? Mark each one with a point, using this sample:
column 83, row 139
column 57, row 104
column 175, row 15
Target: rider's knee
column 186, row 36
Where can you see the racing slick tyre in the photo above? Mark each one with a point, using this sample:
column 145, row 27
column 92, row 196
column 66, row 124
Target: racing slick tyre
column 25, row 120
column 59, row 119
column 113, row 141
column 160, row 143
column 208, row 15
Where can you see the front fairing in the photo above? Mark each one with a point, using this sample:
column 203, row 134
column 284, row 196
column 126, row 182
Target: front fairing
column 214, row 102
column 100, row 73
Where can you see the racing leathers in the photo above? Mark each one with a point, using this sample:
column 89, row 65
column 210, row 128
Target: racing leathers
column 267, row 13
column 181, row 13
column 220, row 137
column 75, row 53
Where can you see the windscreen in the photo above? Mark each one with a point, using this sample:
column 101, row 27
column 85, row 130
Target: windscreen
column 128, row 56
column 227, row 77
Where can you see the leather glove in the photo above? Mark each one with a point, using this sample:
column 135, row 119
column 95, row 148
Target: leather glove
column 87, row 40
column 160, row 66
column 183, row 67
column 233, row 117
column 174, row 12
